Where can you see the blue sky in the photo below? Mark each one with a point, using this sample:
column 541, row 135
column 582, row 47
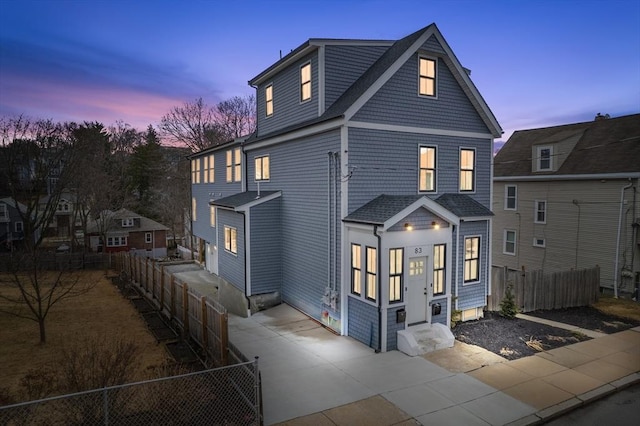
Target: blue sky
column 536, row 63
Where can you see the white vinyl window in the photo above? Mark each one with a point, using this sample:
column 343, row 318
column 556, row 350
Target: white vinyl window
column 510, row 197
column 147, row 237
column 230, row 239
column 396, row 263
column 540, row 213
column 427, row 176
column 467, row 169
column 212, row 216
column 195, row 170
column 544, row 158
column 209, row 169
column 356, row 269
column 19, row 227
column 305, row 82
column 116, row 241
column 262, row 168
column 372, row 273
column 439, row 262
column 539, row 242
column 509, row 246
column 127, row 223
column 268, row 96
column 237, row 165
column 427, row 77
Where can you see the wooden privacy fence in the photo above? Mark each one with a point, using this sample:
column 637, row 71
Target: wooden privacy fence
column 535, row 290
column 203, row 320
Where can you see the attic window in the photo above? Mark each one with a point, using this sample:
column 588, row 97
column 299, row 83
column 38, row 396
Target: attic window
column 127, row 223
column 305, row 82
column 427, row 79
column 544, row 155
column 268, row 96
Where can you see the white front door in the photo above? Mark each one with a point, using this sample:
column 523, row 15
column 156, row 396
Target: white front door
column 416, row 291
column 211, row 258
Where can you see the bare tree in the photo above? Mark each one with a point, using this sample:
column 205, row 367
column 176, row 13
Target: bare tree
column 237, row 116
column 193, row 125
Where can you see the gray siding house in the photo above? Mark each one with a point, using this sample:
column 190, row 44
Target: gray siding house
column 363, row 198
column 566, row 197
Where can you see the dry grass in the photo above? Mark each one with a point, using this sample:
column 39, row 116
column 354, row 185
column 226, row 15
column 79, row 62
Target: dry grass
column 101, row 312
column 623, row 308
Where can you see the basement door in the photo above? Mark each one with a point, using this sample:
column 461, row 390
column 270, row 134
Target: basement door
column 416, row 291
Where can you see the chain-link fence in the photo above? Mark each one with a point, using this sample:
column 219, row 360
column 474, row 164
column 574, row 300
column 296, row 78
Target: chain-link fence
column 222, row 396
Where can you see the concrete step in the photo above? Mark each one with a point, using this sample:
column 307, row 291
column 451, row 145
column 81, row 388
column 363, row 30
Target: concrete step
column 424, row 338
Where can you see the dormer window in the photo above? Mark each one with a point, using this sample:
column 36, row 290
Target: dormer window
column 268, row 96
column 305, row 82
column 127, row 223
column 544, row 156
column 427, row 78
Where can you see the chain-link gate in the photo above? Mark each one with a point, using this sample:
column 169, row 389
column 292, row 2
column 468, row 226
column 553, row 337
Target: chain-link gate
column 221, row 396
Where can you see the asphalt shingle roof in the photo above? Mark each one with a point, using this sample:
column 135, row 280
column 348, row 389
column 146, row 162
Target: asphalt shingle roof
column 463, row 206
column 604, row 146
column 241, row 198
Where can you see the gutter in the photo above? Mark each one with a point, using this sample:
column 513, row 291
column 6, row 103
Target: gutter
column 567, row 177
column 379, row 266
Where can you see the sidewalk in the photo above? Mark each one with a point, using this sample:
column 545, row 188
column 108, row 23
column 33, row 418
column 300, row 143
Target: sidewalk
column 311, row 376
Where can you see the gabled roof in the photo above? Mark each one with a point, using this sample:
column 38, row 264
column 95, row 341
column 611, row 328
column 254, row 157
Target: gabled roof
column 381, row 70
column 11, row 202
column 243, row 200
column 385, row 208
column 146, row 224
column 604, row 146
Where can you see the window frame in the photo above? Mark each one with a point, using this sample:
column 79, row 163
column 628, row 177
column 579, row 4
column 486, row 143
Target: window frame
column 535, row 242
column 194, row 209
column 427, row 77
column 15, row 226
column 237, row 165
column 4, row 212
column 396, row 275
column 471, row 260
column 426, row 169
column 505, row 242
column 195, row 171
column 356, row 269
column 507, row 197
column 539, row 159
column 117, row 241
column 229, row 166
column 371, row 275
column 212, row 216
column 471, row 170
column 440, row 270
column 260, row 159
column 128, row 222
column 231, row 240
column 148, row 238
column 537, row 211
column 209, row 169
column 268, row 100
column 305, row 83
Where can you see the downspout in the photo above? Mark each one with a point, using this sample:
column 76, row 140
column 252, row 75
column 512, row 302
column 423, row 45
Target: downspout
column 615, row 271
column 379, row 268
column 246, row 266
column 457, row 263
column 336, row 168
column 329, row 219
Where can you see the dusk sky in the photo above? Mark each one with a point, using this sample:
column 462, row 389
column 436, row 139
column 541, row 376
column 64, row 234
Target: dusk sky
column 536, row 63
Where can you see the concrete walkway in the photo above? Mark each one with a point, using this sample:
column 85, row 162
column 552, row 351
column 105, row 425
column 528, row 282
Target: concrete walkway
column 311, row 376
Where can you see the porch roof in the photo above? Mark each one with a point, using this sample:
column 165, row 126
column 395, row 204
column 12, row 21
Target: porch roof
column 242, row 200
column 384, row 207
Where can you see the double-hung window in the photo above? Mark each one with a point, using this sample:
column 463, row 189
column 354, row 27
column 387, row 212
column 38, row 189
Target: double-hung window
column 427, row 78
column 427, row 176
column 19, row 227
column 372, row 273
column 209, row 169
column 510, row 197
column 148, row 237
column 127, row 223
column 439, row 262
column 540, row 213
column 268, row 96
column 467, row 169
column 509, row 242
column 262, row 168
column 356, row 269
column 544, row 157
column 396, row 262
column 212, row 216
column 305, row 82
column 194, row 208
column 195, row 170
column 230, row 239
column 234, row 165
column 471, row 259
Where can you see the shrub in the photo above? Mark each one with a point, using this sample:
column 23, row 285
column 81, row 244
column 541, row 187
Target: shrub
column 508, row 308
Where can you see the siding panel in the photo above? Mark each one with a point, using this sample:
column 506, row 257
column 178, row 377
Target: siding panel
column 266, row 247
column 232, row 266
column 365, row 326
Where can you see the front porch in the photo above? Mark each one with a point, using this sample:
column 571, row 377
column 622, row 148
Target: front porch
column 423, row 338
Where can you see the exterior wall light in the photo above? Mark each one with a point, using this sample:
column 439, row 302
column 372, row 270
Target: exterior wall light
column 435, row 225
column 408, row 227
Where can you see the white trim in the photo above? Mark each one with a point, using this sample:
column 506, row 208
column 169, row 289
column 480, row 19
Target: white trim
column 504, row 242
column 321, row 81
column 344, row 208
column 428, row 204
column 475, row 218
column 388, row 73
column 247, row 252
column 538, row 158
column 419, row 130
column 224, row 230
column 506, row 197
column 593, row 176
column 535, row 242
column 489, row 255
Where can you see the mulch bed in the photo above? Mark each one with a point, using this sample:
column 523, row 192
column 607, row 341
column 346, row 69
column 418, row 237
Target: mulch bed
column 508, row 337
column 589, row 318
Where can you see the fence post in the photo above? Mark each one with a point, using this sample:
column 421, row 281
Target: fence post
column 161, row 287
column 258, row 394
column 172, row 302
column 185, row 308
column 205, row 337
column 224, row 337
column 146, row 274
column 105, row 401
